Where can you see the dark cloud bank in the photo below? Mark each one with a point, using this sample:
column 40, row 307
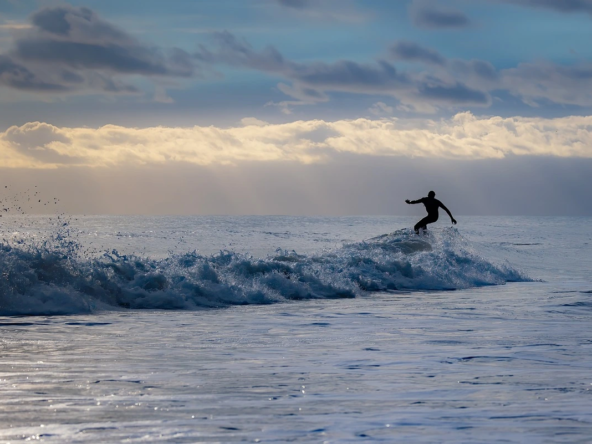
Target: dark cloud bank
column 412, row 52
column 311, row 81
column 444, row 82
column 430, row 15
column 556, row 5
column 71, row 49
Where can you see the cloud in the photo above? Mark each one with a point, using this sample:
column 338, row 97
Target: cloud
column 556, row 5
column 249, row 121
column 544, row 81
column 381, row 109
column 474, row 71
column 456, row 93
column 34, row 135
column 297, row 4
column 11, row 26
column 70, row 49
column 534, row 83
column 428, row 15
column 35, row 139
column 412, row 52
column 442, row 83
column 40, row 145
column 78, row 38
column 18, row 76
column 326, row 10
column 313, row 80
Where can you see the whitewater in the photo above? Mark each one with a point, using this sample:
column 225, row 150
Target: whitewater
column 306, row 329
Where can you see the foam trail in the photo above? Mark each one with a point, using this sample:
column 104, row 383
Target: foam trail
column 54, row 278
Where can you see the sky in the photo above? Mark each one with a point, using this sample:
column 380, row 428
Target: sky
column 311, row 107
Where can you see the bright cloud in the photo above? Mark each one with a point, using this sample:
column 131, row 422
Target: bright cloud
column 40, row 145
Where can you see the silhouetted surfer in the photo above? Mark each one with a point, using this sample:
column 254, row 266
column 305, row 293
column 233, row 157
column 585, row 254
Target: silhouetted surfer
column 431, row 204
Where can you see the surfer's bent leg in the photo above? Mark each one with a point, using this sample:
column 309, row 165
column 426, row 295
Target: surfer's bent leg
column 424, row 222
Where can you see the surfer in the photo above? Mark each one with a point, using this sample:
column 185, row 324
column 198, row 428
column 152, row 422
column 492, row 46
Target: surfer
column 431, row 204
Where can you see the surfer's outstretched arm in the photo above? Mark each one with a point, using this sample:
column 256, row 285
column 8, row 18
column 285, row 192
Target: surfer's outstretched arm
column 449, row 213
column 413, row 201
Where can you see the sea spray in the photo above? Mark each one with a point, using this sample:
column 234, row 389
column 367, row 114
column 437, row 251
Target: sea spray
column 55, row 275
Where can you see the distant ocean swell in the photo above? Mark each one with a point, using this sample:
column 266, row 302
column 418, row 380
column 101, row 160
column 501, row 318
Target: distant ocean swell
column 54, row 278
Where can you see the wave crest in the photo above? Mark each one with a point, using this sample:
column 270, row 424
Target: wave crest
column 54, row 278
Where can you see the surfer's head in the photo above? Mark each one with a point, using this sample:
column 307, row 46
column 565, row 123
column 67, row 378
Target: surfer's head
column 431, row 194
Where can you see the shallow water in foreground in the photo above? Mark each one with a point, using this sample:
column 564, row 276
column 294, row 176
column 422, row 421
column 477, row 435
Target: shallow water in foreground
column 502, row 363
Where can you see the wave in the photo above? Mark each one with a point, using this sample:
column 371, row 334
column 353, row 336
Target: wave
column 53, row 277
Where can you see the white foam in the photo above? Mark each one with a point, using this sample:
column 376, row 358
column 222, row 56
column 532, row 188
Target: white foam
column 55, row 278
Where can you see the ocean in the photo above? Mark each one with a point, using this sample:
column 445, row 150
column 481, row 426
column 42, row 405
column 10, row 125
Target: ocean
column 300, row 329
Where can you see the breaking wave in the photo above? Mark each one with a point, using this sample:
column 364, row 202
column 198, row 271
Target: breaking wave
column 54, row 277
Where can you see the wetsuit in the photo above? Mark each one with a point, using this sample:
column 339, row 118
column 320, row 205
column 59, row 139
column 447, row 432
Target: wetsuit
column 431, row 205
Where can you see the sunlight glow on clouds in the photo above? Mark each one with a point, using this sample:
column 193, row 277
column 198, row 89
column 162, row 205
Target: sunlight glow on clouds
column 464, row 136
